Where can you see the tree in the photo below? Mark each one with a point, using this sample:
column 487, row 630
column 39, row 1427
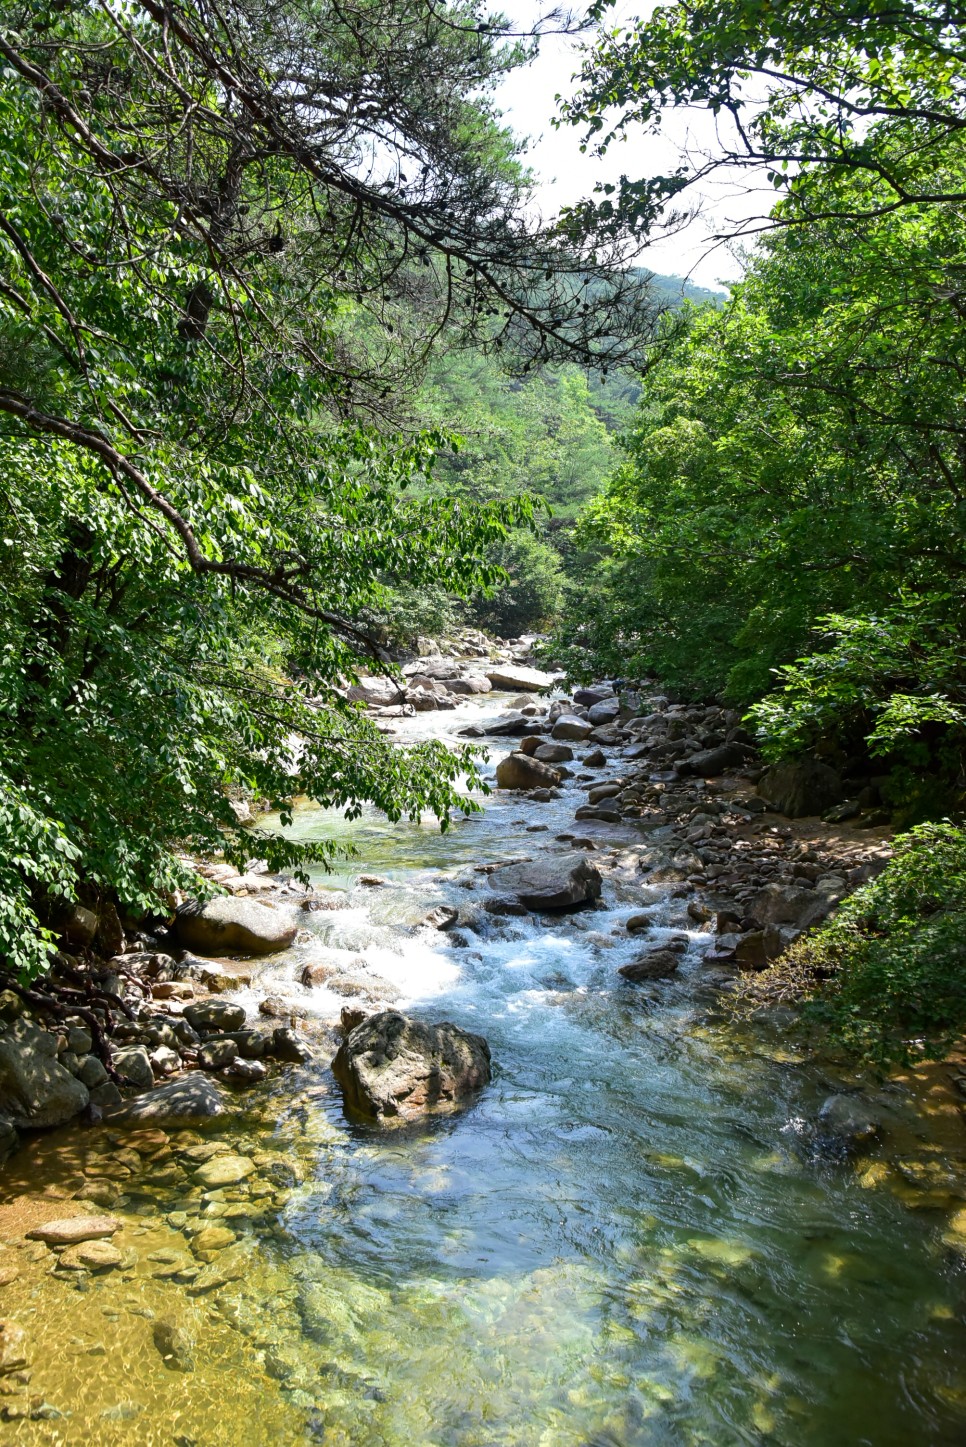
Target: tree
column 805, row 96
column 211, row 219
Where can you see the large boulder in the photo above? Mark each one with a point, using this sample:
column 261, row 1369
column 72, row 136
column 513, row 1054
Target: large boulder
column 556, row 881
column 520, row 771
column 36, row 1091
column 514, row 678
column 800, row 787
column 604, row 712
column 569, row 726
column 789, row 904
column 709, row 763
column 178, row 1102
column 377, row 691
column 473, row 683
column 226, row 925
column 392, row 1068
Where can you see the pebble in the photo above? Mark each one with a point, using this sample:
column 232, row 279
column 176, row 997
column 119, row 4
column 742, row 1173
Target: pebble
column 225, row 1171
column 91, row 1256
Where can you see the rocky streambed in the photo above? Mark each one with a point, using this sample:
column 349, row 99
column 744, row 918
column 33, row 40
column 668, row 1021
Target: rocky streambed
column 636, row 1224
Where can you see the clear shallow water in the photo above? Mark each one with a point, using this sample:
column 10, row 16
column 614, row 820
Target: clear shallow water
column 622, row 1244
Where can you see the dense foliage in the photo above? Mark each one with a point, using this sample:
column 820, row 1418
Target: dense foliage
column 886, row 977
column 228, row 236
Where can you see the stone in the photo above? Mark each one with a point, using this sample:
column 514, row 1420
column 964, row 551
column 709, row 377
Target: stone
column 174, row 1346
column 443, row 917
column 847, row 1123
column 709, row 763
column 598, row 693
column 514, row 678
column 595, row 759
column 80, row 927
column 106, row 1095
column 800, row 788
column 553, row 753
column 638, row 924
column 217, row 1016
column 134, row 1063
column 600, row 792
column 13, row 1347
column 288, row 1045
column 472, row 684
column 177, row 1102
column 71, row 1230
column 216, row 1054
column 603, row 813
column 391, row 1067
column 8, row 1275
column 225, row 1170
column 553, row 882
column 80, row 1040
column 519, row 771
column 213, row 1238
column 226, row 924
column 35, row 1088
column 603, row 712
column 657, row 965
column 789, row 904
column 568, row 726
column 377, row 690
column 91, row 1256
column 246, row 1072
column 92, row 1072
column 165, row 1061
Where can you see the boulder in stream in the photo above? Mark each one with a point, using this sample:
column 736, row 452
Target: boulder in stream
column 392, row 1068
column 178, row 1102
column 553, row 882
column 224, row 925
column 514, row 678
column 520, row 771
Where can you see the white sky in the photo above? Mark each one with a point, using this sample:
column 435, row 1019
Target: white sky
column 565, row 175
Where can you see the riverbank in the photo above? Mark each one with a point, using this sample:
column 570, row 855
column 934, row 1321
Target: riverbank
column 573, row 1256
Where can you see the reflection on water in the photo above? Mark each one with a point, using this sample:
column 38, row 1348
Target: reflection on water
column 620, row 1245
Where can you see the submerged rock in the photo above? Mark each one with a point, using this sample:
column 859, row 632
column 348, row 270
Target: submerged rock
column 393, row 1068
column 13, row 1347
column 557, row 881
column 847, row 1124
column 226, row 924
column 174, row 1347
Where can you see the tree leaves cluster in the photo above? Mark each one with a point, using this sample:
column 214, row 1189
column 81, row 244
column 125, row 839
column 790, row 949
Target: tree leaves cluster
column 228, row 236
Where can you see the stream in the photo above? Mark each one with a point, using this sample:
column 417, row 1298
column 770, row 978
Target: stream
column 627, row 1241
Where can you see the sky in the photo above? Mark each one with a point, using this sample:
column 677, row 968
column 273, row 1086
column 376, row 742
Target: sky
column 564, row 175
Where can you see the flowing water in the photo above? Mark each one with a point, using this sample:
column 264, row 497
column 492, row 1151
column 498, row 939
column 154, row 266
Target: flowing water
column 626, row 1242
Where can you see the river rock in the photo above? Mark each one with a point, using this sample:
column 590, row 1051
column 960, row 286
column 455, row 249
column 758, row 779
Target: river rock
column 224, row 1171
column 216, row 1054
column 134, row 1063
column 800, row 787
column 215, row 1015
column 174, row 1346
column 555, row 881
column 91, row 1256
column 9, row 1139
column 443, row 917
column 709, row 763
column 599, row 693
column 35, row 1089
column 393, row 1068
column 569, row 726
column 657, row 965
column 226, row 924
column 376, row 690
column 553, row 753
column 288, row 1045
column 72, row 1230
column 13, row 1347
column 846, row 1123
column 472, row 684
column 514, row 678
column 789, row 904
column 177, row 1102
column 603, row 712
column 519, row 771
